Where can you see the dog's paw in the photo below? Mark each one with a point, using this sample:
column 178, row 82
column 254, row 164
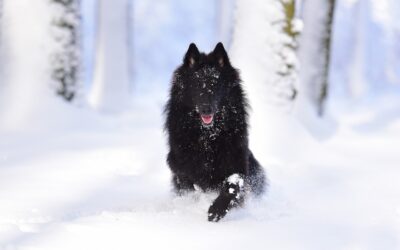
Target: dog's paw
column 218, row 209
column 215, row 215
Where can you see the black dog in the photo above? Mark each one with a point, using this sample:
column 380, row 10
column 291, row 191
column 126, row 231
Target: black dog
column 207, row 129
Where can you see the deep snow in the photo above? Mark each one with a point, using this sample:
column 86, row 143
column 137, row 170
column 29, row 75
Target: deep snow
column 106, row 185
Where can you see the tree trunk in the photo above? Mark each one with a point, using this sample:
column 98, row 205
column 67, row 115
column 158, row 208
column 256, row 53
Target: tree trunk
column 323, row 93
column 315, row 46
column 260, row 49
column 290, row 72
column 111, row 87
column 26, row 48
column 289, row 8
column 66, row 60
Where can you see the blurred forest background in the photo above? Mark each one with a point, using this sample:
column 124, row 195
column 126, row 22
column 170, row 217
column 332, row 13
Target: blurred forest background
column 104, row 53
column 82, row 149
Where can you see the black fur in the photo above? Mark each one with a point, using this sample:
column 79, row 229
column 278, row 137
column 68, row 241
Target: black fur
column 206, row 155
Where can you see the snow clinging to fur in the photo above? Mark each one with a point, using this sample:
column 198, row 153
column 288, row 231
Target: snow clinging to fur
column 236, row 179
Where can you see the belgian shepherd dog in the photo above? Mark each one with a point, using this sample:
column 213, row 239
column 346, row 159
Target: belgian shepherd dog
column 206, row 123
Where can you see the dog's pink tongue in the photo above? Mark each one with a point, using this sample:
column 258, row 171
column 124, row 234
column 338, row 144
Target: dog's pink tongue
column 207, row 119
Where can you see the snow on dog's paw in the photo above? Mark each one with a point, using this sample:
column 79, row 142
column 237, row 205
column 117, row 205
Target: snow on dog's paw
column 236, row 180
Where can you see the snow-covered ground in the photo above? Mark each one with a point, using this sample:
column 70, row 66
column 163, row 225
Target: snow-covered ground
column 105, row 185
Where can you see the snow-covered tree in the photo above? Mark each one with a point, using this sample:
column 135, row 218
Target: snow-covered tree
column 66, row 59
column 26, row 49
column 111, row 86
column 314, row 50
column 260, row 51
column 264, row 52
column 373, row 62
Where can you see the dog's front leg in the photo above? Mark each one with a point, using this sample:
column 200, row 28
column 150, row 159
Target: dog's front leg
column 231, row 195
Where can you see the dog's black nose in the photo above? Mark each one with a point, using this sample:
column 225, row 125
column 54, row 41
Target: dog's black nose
column 206, row 109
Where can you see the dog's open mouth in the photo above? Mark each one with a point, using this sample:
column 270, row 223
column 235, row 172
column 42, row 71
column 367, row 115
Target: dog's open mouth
column 207, row 119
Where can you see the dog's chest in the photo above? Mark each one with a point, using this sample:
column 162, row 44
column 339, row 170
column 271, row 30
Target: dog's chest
column 209, row 149
column 207, row 143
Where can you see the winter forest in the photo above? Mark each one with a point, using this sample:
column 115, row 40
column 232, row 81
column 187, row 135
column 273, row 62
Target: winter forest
column 83, row 84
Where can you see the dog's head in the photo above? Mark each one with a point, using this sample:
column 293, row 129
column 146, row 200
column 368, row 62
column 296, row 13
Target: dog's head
column 206, row 81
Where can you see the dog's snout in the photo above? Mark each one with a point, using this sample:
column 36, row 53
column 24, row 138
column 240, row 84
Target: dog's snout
column 206, row 109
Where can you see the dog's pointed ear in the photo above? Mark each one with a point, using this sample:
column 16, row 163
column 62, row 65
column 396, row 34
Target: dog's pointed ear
column 192, row 55
column 220, row 55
